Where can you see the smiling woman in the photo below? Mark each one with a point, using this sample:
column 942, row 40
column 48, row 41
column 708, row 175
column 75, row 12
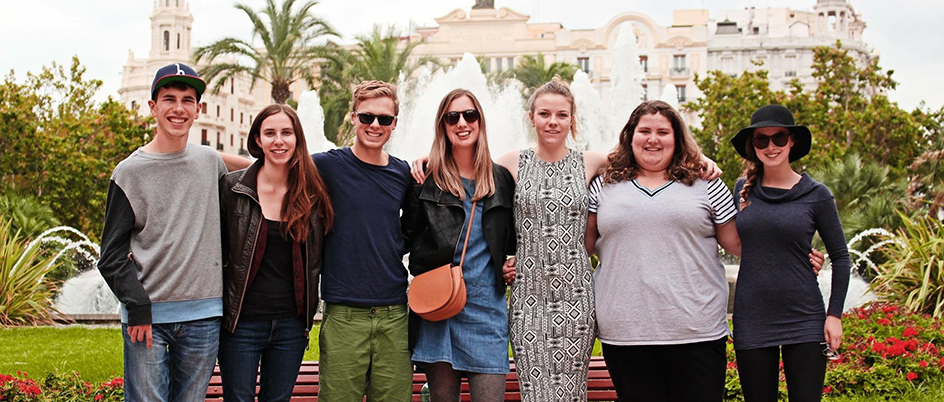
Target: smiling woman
column 656, row 227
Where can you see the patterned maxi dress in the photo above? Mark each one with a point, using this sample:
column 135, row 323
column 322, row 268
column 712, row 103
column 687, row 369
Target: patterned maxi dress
column 551, row 314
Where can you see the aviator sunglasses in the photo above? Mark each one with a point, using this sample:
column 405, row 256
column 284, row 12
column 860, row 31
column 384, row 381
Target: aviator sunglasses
column 779, row 139
column 470, row 116
column 382, row 119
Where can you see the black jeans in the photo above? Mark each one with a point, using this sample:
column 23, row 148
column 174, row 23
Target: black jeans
column 803, row 364
column 667, row 373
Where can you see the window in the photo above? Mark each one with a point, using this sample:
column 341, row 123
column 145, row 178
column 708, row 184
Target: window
column 678, row 61
column 232, row 85
column 178, row 41
column 498, row 64
column 680, row 92
column 203, row 137
column 488, row 66
column 217, row 110
column 727, row 65
column 645, row 92
column 134, row 105
column 584, row 64
column 166, row 40
column 219, row 145
column 250, row 119
column 231, row 140
column 756, row 31
column 790, row 66
column 511, row 63
column 203, row 107
column 240, row 119
column 232, row 115
column 644, row 63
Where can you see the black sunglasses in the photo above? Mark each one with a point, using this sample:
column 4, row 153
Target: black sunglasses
column 779, row 139
column 382, row 119
column 470, row 116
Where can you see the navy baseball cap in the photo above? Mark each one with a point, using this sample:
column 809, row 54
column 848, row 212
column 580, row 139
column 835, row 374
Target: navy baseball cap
column 177, row 72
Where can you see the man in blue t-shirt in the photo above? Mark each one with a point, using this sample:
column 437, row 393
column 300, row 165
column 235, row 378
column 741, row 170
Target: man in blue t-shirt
column 364, row 330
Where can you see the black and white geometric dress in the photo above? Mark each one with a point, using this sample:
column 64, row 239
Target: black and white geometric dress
column 551, row 314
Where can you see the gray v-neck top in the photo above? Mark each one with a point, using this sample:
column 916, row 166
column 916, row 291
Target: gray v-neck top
column 660, row 280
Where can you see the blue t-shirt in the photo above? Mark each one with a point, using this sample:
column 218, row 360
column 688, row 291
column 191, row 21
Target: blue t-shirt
column 363, row 252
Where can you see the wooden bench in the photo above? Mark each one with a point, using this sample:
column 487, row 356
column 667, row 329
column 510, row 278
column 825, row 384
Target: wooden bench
column 599, row 384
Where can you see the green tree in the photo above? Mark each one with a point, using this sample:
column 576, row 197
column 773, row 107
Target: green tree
column 534, row 71
column 849, row 110
column 60, row 146
column 381, row 55
column 725, row 108
column 291, row 45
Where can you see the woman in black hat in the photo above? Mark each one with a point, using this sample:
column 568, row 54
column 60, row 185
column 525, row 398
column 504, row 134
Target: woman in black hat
column 778, row 307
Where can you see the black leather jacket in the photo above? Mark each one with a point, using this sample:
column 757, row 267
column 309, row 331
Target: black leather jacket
column 432, row 222
column 240, row 217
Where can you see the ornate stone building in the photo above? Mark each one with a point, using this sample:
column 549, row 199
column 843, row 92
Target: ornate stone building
column 669, row 56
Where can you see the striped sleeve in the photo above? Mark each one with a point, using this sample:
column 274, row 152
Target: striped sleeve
column 722, row 202
column 593, row 192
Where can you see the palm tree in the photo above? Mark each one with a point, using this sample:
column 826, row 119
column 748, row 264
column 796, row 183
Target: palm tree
column 380, row 56
column 534, row 71
column 290, row 47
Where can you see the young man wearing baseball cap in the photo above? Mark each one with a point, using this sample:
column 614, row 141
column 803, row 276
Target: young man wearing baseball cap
column 161, row 249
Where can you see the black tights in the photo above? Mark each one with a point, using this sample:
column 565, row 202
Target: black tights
column 803, row 364
column 444, row 384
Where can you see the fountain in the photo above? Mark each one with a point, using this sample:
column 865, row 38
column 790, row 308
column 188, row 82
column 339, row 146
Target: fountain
column 312, row 117
column 86, row 293
column 593, row 128
column 670, row 95
column 502, row 107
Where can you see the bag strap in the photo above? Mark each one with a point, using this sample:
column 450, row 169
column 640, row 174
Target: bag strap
column 467, row 233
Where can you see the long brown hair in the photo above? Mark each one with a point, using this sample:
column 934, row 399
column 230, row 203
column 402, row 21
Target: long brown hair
column 558, row 87
column 686, row 162
column 306, row 191
column 442, row 164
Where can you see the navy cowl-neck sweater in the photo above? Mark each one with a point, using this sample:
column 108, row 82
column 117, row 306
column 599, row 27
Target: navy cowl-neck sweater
column 777, row 299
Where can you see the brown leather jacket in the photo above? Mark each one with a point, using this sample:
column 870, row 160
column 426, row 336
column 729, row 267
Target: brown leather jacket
column 240, row 218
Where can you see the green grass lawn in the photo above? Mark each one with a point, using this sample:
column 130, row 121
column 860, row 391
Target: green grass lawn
column 95, row 353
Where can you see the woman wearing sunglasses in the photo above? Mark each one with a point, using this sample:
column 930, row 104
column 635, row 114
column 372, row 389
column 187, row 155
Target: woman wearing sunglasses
column 778, row 307
column 274, row 216
column 436, row 220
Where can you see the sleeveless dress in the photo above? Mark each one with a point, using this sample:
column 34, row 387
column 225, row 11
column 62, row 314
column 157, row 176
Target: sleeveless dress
column 551, row 316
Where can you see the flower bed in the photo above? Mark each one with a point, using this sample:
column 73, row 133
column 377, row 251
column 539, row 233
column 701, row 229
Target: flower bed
column 58, row 387
column 886, row 351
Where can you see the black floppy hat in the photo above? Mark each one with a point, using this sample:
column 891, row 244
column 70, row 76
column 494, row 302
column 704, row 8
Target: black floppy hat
column 775, row 116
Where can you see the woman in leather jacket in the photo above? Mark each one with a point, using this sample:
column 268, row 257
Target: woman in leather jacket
column 274, row 215
column 473, row 343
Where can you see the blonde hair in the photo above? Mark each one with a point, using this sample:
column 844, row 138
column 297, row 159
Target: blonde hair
column 442, row 164
column 375, row 89
column 557, row 87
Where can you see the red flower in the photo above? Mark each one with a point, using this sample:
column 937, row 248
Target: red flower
column 878, row 347
column 911, row 345
column 883, row 321
column 897, row 349
column 98, row 397
column 889, row 309
column 34, row 390
column 827, row 389
column 909, row 332
column 912, row 376
column 923, row 364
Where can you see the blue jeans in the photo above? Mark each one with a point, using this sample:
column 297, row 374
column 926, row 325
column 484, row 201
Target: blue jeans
column 279, row 344
column 178, row 365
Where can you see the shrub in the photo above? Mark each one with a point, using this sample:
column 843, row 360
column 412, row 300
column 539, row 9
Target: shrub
column 58, row 387
column 913, row 274
column 887, row 350
column 25, row 290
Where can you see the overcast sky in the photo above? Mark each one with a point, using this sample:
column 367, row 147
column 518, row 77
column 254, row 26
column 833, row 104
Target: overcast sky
column 100, row 32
